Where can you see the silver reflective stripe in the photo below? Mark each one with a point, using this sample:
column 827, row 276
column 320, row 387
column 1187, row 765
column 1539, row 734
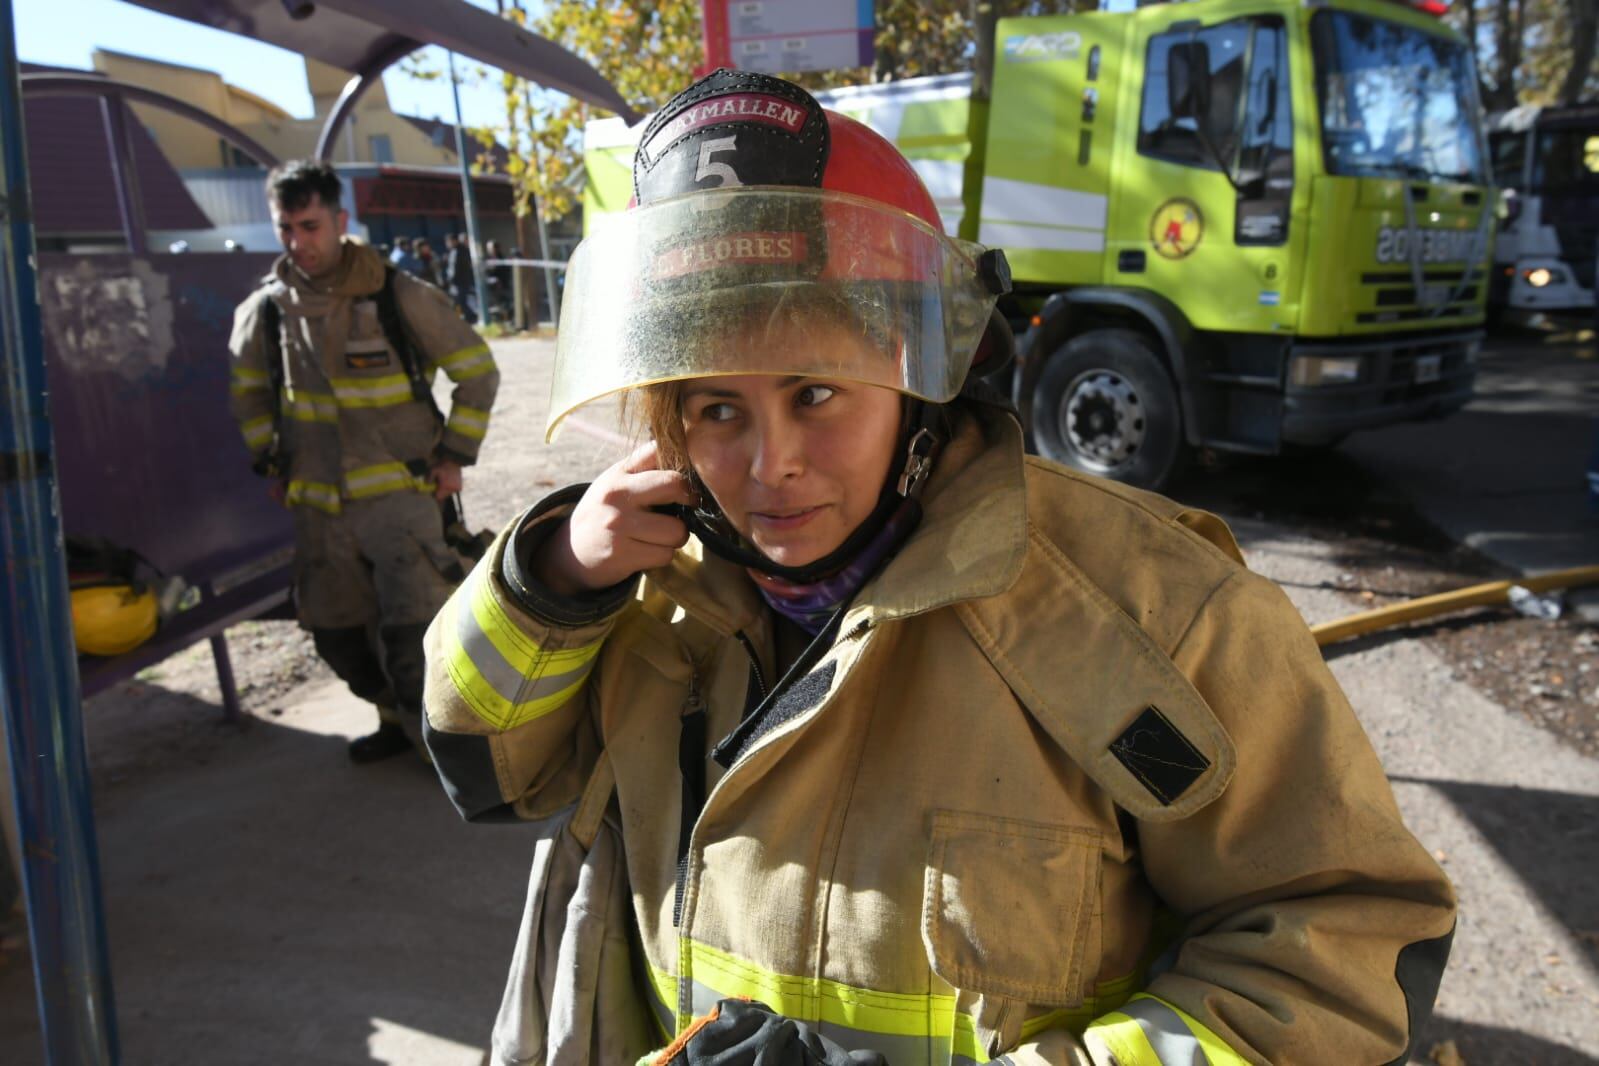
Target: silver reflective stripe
column 1174, row 1044
column 510, row 683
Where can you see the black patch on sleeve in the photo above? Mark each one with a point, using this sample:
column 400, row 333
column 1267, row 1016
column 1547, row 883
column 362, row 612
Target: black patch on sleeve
column 1155, row 752
column 465, row 765
column 1419, row 970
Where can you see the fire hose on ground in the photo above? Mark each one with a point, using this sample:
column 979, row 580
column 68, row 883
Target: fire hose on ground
column 1489, row 594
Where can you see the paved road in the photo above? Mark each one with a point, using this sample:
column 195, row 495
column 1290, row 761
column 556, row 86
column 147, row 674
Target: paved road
column 1505, row 475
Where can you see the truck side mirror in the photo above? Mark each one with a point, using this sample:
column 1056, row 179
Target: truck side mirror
column 1188, row 80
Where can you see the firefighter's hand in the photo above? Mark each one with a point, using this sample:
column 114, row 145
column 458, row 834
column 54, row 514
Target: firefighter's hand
column 613, row 533
column 446, row 476
column 278, row 489
column 744, row 1033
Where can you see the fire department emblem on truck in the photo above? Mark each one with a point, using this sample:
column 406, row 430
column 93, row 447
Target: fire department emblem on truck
column 1175, row 228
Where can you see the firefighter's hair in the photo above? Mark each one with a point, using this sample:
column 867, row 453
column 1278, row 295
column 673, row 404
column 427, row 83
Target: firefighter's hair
column 291, row 185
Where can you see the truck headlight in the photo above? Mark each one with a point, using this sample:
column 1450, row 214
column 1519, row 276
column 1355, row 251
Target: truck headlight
column 1324, row 370
column 1539, row 277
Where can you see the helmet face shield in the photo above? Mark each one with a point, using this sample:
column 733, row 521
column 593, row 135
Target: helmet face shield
column 768, row 280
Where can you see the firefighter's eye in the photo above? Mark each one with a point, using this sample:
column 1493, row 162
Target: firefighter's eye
column 814, row 395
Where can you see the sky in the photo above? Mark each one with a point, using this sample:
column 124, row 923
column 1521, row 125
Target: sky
column 66, row 32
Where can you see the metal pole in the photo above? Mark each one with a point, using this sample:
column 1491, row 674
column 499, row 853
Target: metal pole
column 39, row 692
column 538, row 215
column 130, row 199
column 470, row 196
column 549, row 272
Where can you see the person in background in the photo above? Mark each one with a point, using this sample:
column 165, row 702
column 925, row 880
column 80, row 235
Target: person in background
column 405, row 259
column 501, row 278
column 459, row 276
column 328, row 356
column 430, row 262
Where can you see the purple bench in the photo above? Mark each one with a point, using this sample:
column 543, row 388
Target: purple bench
column 148, row 455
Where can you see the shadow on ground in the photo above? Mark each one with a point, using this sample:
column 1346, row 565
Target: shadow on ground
column 1485, row 1045
column 269, row 902
column 1551, row 841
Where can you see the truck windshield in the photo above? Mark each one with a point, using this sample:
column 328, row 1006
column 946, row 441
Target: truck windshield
column 1566, row 160
column 1396, row 102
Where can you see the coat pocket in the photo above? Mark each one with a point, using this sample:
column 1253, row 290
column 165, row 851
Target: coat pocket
column 1008, row 906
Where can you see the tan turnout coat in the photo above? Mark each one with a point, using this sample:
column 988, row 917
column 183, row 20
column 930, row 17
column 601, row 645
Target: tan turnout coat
column 1067, row 750
column 349, row 422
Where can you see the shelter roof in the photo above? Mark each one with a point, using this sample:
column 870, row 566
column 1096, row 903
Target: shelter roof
column 361, row 35
column 68, row 171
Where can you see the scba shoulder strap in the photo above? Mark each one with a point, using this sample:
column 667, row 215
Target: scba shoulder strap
column 394, row 331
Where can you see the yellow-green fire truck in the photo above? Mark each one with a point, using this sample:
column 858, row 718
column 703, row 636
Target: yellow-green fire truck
column 1236, row 224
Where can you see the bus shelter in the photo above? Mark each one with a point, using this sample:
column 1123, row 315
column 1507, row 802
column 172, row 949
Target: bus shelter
column 116, row 370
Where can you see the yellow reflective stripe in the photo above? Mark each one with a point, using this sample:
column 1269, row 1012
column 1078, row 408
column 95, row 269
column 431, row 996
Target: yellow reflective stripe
column 380, row 478
column 1108, row 995
column 316, row 494
column 468, row 363
column 929, row 1017
column 303, row 406
column 468, row 421
column 257, row 431
column 245, row 381
column 1148, row 1031
column 389, row 390
column 501, row 672
column 664, row 985
column 715, row 974
column 472, row 353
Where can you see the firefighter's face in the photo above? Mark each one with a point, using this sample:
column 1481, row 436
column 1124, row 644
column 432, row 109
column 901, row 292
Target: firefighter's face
column 310, row 234
column 795, row 463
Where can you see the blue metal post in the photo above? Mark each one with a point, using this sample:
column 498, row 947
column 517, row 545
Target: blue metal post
column 38, row 666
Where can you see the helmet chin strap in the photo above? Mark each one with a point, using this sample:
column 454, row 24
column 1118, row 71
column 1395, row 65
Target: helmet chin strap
column 919, row 444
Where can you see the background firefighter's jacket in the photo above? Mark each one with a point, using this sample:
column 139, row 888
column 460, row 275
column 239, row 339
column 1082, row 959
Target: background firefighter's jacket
column 349, row 426
column 1064, row 710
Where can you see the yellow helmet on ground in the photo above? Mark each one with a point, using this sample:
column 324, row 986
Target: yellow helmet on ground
column 112, row 619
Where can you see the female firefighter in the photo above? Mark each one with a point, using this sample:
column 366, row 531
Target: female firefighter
column 922, row 747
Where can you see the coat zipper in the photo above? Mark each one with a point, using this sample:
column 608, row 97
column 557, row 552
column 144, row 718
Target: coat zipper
column 691, row 768
column 687, row 827
column 755, row 661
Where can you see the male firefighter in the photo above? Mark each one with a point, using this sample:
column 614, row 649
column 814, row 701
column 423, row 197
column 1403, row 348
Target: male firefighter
column 333, row 359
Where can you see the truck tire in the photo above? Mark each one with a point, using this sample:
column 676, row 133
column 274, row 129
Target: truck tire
column 1104, row 404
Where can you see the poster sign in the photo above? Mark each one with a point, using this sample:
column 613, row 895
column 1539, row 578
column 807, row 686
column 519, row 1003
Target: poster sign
column 789, row 36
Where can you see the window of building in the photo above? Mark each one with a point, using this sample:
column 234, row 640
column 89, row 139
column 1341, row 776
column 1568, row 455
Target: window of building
column 382, row 149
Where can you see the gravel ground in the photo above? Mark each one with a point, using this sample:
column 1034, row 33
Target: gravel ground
column 1496, row 777
column 1384, row 552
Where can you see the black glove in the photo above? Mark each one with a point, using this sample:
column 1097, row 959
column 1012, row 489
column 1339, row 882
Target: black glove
column 738, row 1032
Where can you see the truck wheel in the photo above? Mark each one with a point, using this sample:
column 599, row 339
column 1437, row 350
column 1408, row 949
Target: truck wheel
column 1105, row 405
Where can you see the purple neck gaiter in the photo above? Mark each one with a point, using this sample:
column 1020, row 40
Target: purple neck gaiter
column 811, row 604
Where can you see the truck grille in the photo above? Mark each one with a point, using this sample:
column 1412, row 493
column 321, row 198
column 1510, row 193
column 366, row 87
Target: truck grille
column 1395, row 299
